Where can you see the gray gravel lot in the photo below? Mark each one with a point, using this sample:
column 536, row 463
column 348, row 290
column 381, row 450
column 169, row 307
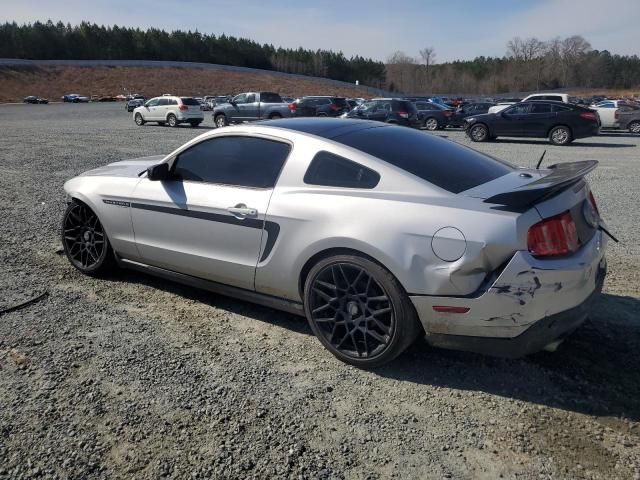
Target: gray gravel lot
column 134, row 377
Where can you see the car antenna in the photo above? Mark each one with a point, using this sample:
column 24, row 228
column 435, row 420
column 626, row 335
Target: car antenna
column 540, row 161
column 600, row 227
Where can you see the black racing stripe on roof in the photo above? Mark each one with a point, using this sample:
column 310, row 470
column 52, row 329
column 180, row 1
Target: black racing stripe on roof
column 323, row 127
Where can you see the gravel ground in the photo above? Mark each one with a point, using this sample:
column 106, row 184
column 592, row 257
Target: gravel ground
column 137, row 377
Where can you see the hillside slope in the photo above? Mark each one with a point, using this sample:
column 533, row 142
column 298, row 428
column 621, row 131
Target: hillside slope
column 52, row 82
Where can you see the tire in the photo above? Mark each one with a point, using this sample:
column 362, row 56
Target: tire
column 85, row 242
column 138, row 119
column 275, row 116
column 220, row 120
column 431, row 124
column 381, row 327
column 560, row 135
column 172, row 120
column 479, row 133
column 634, row 127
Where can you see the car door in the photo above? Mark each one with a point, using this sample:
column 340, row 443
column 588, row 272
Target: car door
column 150, row 109
column 208, row 219
column 380, row 111
column 511, row 121
column 250, row 110
column 539, row 119
column 237, row 104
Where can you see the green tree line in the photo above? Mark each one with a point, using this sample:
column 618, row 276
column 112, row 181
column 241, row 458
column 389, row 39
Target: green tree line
column 89, row 41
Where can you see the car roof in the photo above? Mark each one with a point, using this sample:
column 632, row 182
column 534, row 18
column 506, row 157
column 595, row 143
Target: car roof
column 322, row 127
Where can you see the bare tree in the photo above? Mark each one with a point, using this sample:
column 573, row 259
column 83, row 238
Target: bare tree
column 428, row 56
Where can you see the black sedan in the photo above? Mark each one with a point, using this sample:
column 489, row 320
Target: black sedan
column 560, row 122
column 34, row 99
column 468, row 110
column 433, row 116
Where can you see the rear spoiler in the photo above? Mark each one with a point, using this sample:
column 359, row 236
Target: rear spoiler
column 561, row 177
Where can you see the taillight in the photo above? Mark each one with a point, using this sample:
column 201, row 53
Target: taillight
column 589, row 116
column 183, row 108
column 616, row 114
column 553, row 236
column 592, row 199
column 292, row 107
column 403, row 114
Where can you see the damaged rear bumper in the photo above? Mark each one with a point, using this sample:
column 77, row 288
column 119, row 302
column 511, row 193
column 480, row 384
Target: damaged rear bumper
column 533, row 303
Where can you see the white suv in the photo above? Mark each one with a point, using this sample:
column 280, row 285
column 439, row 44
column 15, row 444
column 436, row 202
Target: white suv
column 170, row 110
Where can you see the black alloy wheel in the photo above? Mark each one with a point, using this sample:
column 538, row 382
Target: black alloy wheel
column 85, row 241
column 358, row 311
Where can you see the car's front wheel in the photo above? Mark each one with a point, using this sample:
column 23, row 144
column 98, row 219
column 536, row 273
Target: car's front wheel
column 560, row 136
column 359, row 311
column 479, row 133
column 85, row 241
column 634, row 127
column 220, row 121
column 172, row 120
column 139, row 120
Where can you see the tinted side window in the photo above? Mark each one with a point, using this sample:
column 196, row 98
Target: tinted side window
column 163, row 102
column 540, row 108
column 557, row 98
column 560, row 108
column 334, row 171
column 252, row 98
column 444, row 163
column 267, row 97
column 519, row 109
column 243, row 161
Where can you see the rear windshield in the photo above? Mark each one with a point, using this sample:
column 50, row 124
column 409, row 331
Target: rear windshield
column 341, row 102
column 441, row 162
column 189, row 101
column 270, row 98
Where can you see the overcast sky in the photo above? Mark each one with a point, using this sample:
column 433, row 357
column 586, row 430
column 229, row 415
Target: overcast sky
column 457, row 29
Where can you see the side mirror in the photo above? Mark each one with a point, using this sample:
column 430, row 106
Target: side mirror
column 158, row 172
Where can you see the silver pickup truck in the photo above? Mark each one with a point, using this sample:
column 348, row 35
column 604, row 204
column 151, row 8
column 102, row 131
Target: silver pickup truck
column 250, row 106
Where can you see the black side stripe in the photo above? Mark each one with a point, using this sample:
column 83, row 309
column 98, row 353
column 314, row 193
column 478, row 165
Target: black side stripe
column 272, row 228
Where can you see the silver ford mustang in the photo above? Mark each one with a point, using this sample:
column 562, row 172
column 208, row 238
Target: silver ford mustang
column 377, row 234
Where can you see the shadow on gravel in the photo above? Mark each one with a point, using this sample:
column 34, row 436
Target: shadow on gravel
column 619, row 134
column 257, row 312
column 596, row 371
column 577, row 143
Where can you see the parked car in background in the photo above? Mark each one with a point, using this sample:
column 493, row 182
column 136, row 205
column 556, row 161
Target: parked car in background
column 608, row 112
column 464, row 111
column 556, row 97
column 169, row 110
column 560, row 122
column 629, row 118
column 288, row 99
column 388, row 110
column 319, row 106
column 433, row 116
column 34, row 99
column 75, row 98
column 250, row 106
column 134, row 103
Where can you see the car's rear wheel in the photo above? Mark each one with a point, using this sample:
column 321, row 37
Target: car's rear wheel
column 560, row 135
column 634, row 127
column 220, row 121
column 359, row 311
column 431, row 123
column 479, row 133
column 138, row 119
column 275, row 116
column 84, row 240
column 172, row 120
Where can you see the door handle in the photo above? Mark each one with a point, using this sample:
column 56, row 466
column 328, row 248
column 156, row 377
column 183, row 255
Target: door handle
column 242, row 211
